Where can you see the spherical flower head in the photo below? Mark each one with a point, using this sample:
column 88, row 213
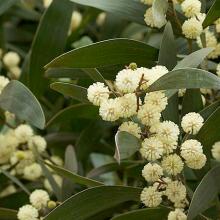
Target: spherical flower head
column 57, row 160
column 127, row 81
column 39, row 199
column 38, row 142
column 215, row 53
column 97, row 93
column 147, row 2
column 177, row 214
column 127, row 105
column 32, row 172
column 132, row 128
column 148, row 115
column 168, row 130
column 192, row 28
column 172, row 164
column 192, row 122
column 148, row 17
column 211, row 40
column 23, row 133
column 216, row 151
column 151, row 197
column 197, row 161
column 175, row 191
column 169, row 145
column 11, row 59
column 100, row 20
column 57, row 179
column 152, row 149
column 218, row 69
column 191, row 7
column 156, row 99
column 157, row 72
column 152, row 172
column 5, row 150
column 190, row 148
column 3, row 83
column 14, row 72
column 27, row 212
column 75, row 20
column 147, row 76
column 109, row 110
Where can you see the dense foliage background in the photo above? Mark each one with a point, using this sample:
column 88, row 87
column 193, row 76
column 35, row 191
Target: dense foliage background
column 61, row 48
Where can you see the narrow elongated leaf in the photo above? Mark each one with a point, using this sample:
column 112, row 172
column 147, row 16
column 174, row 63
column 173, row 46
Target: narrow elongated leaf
column 186, row 78
column 159, row 10
column 49, row 42
column 206, row 112
column 106, row 53
column 194, row 59
column 8, row 214
column 213, row 14
column 96, row 201
column 205, row 193
column 131, row 10
column 18, row 99
column 75, row 178
column 6, row 4
column 74, row 111
column 150, row 213
column 126, row 145
column 76, row 92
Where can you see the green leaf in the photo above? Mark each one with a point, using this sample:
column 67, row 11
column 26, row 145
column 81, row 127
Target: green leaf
column 76, row 92
column 126, row 145
column 209, row 133
column 130, row 10
column 18, row 99
column 149, row 213
column 159, row 10
column 192, row 96
column 70, row 159
column 8, row 214
column 6, row 4
column 49, row 42
column 194, row 59
column 186, row 78
column 75, row 178
column 165, row 49
column 213, row 14
column 107, row 53
column 93, row 201
column 205, row 193
column 72, row 112
column 206, row 112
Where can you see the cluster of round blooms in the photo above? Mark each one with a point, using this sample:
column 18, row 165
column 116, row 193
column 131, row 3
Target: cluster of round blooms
column 177, row 214
column 39, row 200
column 216, row 151
column 192, row 122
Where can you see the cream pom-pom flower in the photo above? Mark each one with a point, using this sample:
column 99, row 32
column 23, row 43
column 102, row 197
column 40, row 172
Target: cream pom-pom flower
column 172, row 164
column 148, row 17
column 11, row 59
column 157, row 99
column 175, row 191
column 109, row 110
column 168, row 130
column 97, row 93
column 158, row 71
column 148, row 115
column 191, row 7
column 75, row 20
column 169, row 145
column 189, row 148
column 196, row 161
column 192, row 122
column 152, row 172
column 152, row 149
column 151, row 197
column 38, row 142
column 192, row 28
column 210, row 39
column 127, row 80
column 39, row 198
column 3, row 82
column 5, row 150
column 23, row 133
column 127, row 105
column 177, row 214
column 216, row 151
column 27, row 212
column 131, row 127
column 32, row 172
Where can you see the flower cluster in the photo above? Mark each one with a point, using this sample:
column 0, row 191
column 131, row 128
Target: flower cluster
column 162, row 145
column 39, row 203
